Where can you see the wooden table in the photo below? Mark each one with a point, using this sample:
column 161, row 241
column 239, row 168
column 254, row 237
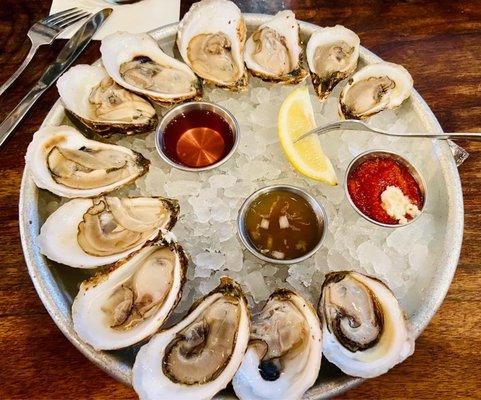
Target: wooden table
column 440, row 44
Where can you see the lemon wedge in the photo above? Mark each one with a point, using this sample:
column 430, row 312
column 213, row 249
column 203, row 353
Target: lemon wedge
column 296, row 117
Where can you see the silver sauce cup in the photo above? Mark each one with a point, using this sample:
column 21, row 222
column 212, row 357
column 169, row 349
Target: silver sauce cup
column 318, row 209
column 401, row 160
column 184, row 108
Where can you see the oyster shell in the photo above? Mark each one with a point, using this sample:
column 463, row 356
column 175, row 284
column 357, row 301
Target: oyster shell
column 274, row 52
column 95, row 101
column 365, row 331
column 332, row 55
column 129, row 301
column 66, row 163
column 87, row 233
column 199, row 356
column 374, row 88
column 136, row 62
column 211, row 38
column 285, row 350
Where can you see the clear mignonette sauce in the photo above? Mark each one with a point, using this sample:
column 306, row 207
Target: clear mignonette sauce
column 282, row 225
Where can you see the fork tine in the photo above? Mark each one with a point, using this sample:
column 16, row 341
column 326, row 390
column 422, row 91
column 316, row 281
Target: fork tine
column 60, row 14
column 320, row 130
column 71, row 20
column 57, row 20
column 67, row 18
column 327, row 128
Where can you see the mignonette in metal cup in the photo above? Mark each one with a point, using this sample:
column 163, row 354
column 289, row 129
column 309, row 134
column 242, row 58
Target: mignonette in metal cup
column 309, row 203
column 413, row 171
column 197, row 136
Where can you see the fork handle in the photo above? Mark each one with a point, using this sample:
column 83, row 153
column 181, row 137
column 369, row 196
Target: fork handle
column 451, row 136
column 14, row 118
column 475, row 137
column 20, row 69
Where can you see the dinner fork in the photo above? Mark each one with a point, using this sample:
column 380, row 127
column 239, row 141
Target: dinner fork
column 44, row 32
column 355, row 125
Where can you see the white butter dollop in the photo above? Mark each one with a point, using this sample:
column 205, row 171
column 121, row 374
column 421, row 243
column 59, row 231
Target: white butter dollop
column 397, row 205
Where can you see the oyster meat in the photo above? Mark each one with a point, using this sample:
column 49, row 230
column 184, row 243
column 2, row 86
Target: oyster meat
column 129, row 301
column 274, row 52
column 87, row 233
column 66, row 163
column 211, row 39
column 285, row 350
column 365, row 331
column 332, row 55
column 95, row 101
column 136, row 62
column 374, row 88
column 198, row 357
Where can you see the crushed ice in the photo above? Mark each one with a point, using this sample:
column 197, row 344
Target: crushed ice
column 404, row 258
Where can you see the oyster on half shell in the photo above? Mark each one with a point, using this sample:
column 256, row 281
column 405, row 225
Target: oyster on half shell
column 130, row 300
column 136, row 62
column 198, row 357
column 374, row 88
column 87, row 233
column 365, row 331
column 68, row 164
column 332, row 55
column 95, row 101
column 211, row 39
column 274, row 52
column 285, row 350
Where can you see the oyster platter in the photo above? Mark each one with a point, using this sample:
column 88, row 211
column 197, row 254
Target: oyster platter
column 186, row 241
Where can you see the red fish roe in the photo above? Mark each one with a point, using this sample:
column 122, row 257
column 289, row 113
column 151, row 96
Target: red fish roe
column 370, row 178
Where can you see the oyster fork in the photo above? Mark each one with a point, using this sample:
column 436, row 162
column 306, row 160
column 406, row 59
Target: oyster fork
column 44, row 32
column 355, row 125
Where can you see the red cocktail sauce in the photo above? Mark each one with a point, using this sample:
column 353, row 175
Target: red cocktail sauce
column 370, row 178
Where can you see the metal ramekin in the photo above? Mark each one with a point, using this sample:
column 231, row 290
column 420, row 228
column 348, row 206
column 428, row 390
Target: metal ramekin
column 401, row 160
column 195, row 105
column 316, row 206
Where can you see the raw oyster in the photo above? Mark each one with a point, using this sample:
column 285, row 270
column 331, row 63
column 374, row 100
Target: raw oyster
column 211, row 39
column 136, row 62
column 199, row 356
column 332, row 55
column 374, row 88
column 87, row 233
column 285, row 350
column 129, row 301
column 95, row 101
column 365, row 331
column 274, row 52
column 66, row 163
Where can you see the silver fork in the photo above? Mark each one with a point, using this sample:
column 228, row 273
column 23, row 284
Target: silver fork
column 44, row 32
column 355, row 125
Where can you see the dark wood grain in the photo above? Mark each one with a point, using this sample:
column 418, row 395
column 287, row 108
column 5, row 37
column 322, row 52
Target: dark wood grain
column 438, row 41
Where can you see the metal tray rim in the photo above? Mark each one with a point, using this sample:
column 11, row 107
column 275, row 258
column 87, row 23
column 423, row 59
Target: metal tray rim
column 57, row 306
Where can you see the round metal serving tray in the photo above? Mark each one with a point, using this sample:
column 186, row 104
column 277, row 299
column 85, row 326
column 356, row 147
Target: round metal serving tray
column 56, row 286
